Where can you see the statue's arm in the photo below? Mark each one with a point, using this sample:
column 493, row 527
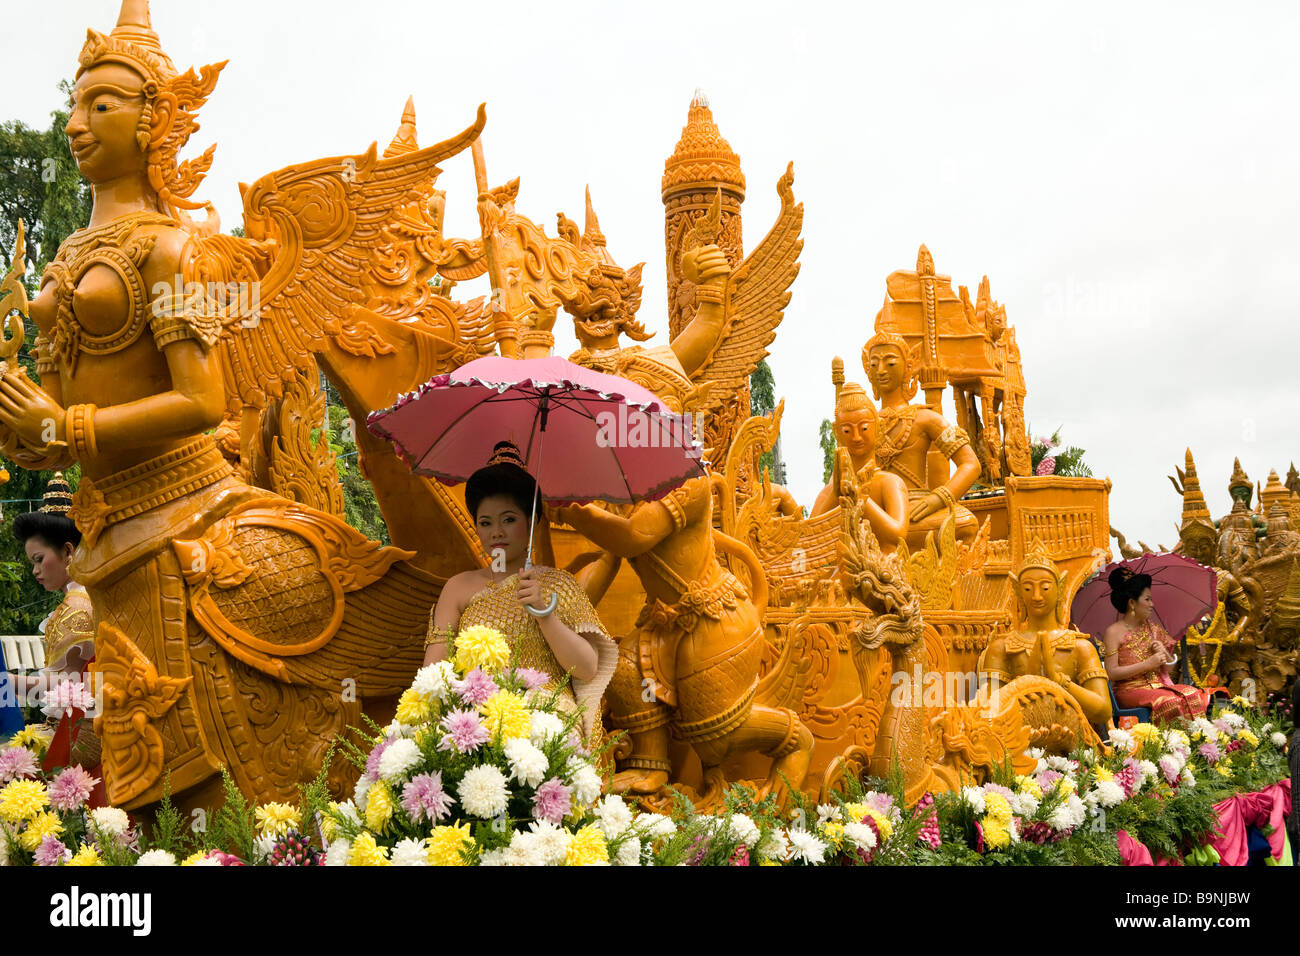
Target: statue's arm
column 888, row 517
column 1091, row 689
column 955, row 444
column 627, row 537
column 695, row 343
column 194, row 403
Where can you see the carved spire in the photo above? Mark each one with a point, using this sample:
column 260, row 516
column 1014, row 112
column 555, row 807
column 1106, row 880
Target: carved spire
column 1273, row 492
column 1239, row 479
column 405, row 141
column 924, row 262
column 1194, row 507
column 702, row 157
column 135, row 25
column 132, row 43
column 591, row 228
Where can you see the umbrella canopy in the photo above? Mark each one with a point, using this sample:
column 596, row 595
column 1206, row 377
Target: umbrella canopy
column 585, row 436
column 1181, row 592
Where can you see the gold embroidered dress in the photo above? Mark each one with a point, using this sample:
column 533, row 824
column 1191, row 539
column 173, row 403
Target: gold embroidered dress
column 71, row 626
column 497, row 607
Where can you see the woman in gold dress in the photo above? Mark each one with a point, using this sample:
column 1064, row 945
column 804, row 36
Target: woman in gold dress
column 544, row 613
column 49, row 538
column 1138, row 652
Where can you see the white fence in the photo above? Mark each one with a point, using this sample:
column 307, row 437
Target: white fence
column 23, row 652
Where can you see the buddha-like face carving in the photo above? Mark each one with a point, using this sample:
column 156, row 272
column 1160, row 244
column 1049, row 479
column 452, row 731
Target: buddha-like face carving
column 857, row 432
column 1199, row 547
column 106, row 108
column 1039, row 592
column 887, row 368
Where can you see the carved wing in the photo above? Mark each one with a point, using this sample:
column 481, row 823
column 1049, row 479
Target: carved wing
column 310, row 230
column 756, row 296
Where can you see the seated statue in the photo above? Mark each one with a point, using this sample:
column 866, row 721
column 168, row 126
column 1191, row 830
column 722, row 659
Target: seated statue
column 907, row 433
column 1043, row 646
column 883, row 494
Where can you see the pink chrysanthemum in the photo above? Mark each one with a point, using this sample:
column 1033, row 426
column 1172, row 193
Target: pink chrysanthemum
column 532, row 677
column 464, row 731
column 424, row 799
column 552, row 801
column 372, row 761
column 1210, row 751
column 1046, row 467
column 17, row 763
column 71, row 788
column 66, row 696
column 1047, row 780
column 476, row 688
column 51, row 852
column 880, row 802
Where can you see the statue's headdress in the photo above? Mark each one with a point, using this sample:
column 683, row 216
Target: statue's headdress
column 852, row 397
column 1239, row 478
column 57, row 498
column 172, row 101
column 1196, row 515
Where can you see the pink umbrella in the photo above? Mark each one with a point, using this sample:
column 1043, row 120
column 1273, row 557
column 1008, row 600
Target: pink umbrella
column 1181, row 592
column 612, row 439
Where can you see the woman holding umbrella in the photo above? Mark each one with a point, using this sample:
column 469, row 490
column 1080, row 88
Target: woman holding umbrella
column 1138, row 652
column 543, row 613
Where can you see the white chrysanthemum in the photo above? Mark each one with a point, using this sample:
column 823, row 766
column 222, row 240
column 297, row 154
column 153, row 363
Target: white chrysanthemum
column 775, row 846
column 551, row 841
column 613, row 815
column 542, row 725
column 1189, row 778
column 1233, row 720
column 1071, row 813
column 525, row 850
column 1175, row 739
column 110, row 820
column 1034, row 753
column 398, row 758
column 1203, row 728
column 1148, row 770
column 262, row 847
column 207, row 861
column 804, row 846
column 493, row 858
column 156, row 858
column 652, row 826
column 745, row 830
column 410, row 852
column 434, row 681
column 628, row 853
column 1266, row 728
column 396, row 729
column 1278, row 740
column 483, row 792
column 1024, row 804
column 1121, row 739
column 1107, row 794
column 861, row 836
column 1171, row 765
column 359, row 793
column 975, row 797
column 336, row 854
column 586, row 785
column 528, row 765
column 348, row 811
column 826, row 812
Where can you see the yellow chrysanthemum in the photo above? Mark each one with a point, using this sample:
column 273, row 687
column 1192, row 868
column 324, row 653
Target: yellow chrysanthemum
column 379, row 806
column 1104, row 774
column 194, row 858
column 41, row 825
column 996, row 808
column 587, row 848
column 1222, row 770
column 1246, row 735
column 1066, row 785
column 86, row 856
column 506, row 713
column 1146, row 733
column 33, row 737
column 446, row 843
column 276, row 818
column 996, row 834
column 412, row 707
column 22, row 799
column 480, row 646
column 883, row 823
column 366, row 852
column 768, row 863
column 833, row 832
column 1030, row 786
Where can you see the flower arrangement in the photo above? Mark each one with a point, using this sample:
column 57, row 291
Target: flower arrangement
column 1046, row 459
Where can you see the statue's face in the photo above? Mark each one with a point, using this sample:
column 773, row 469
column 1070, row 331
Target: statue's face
column 1039, row 591
column 1241, row 496
column 600, row 325
column 1199, row 549
column 887, row 368
column 106, row 106
column 857, row 432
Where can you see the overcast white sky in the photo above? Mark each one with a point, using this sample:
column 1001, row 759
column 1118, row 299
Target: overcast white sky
column 1125, row 174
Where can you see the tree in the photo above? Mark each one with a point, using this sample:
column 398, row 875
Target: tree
column 39, row 184
column 826, row 438
column 762, row 401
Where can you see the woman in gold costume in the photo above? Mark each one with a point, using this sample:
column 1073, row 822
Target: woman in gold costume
column 49, row 537
column 1138, row 650
column 544, row 613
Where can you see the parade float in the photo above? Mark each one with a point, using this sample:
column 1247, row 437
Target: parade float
column 860, row 680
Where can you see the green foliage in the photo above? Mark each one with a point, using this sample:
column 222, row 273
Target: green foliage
column 360, row 507
column 826, row 438
column 233, row 828
column 23, row 602
column 169, row 831
column 762, row 401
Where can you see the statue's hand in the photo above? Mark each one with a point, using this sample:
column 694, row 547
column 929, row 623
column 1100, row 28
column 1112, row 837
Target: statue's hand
column 927, row 506
column 28, row 411
column 706, row 265
column 575, row 516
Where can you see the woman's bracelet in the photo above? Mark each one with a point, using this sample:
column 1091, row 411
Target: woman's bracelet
column 439, row 635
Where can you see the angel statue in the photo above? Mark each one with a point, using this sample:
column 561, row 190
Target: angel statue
column 233, row 627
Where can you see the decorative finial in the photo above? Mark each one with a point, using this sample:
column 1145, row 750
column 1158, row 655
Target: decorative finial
column 405, row 140
column 700, row 99
column 591, row 228
column 924, row 262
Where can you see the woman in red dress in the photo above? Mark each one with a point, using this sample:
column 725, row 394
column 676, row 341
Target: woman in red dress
column 1138, row 652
